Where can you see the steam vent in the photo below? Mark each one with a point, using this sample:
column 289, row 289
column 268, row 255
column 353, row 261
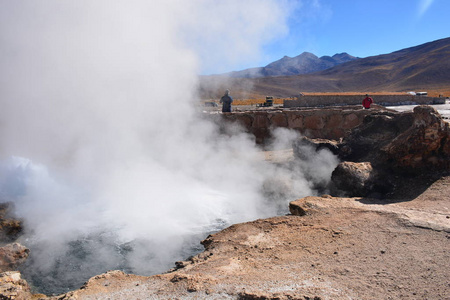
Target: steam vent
column 149, row 151
column 386, row 203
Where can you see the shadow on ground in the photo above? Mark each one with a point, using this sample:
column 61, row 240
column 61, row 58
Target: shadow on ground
column 406, row 188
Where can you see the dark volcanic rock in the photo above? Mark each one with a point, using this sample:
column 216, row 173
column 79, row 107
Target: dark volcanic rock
column 407, row 142
column 354, row 177
column 360, row 179
column 423, row 147
column 393, row 145
column 364, row 142
column 317, row 144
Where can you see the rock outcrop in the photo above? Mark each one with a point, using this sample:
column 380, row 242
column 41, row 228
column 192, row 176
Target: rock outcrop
column 303, row 143
column 13, row 287
column 10, row 227
column 424, row 146
column 360, row 179
column 387, row 147
column 327, row 123
column 409, row 142
column 12, row 255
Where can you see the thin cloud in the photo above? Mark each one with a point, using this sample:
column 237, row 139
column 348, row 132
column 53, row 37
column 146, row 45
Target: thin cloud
column 424, row 5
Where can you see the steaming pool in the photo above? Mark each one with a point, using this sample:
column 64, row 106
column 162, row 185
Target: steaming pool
column 82, row 260
column 147, row 218
column 76, row 239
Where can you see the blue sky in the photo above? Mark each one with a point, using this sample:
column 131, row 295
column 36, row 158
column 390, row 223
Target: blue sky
column 361, row 28
column 229, row 35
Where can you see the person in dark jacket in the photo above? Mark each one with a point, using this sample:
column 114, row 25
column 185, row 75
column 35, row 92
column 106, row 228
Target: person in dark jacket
column 367, row 102
column 226, row 101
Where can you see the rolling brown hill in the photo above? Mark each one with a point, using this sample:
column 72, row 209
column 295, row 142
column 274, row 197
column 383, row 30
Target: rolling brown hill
column 424, row 67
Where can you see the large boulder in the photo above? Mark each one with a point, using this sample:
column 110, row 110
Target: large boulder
column 303, row 145
column 360, row 179
column 364, row 142
column 388, row 147
column 353, row 177
column 424, row 146
column 412, row 142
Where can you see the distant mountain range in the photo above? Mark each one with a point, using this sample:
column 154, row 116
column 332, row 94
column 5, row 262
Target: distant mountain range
column 302, row 64
column 423, row 67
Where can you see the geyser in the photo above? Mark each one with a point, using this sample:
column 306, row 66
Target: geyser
column 101, row 149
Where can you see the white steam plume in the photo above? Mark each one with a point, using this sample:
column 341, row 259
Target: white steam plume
column 100, row 147
column 232, row 32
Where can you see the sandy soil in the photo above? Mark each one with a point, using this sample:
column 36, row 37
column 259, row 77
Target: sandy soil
column 343, row 248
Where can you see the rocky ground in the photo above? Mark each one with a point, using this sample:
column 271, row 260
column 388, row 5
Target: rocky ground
column 341, row 248
column 392, row 246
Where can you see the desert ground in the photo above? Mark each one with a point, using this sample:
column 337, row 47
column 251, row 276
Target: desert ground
column 343, row 248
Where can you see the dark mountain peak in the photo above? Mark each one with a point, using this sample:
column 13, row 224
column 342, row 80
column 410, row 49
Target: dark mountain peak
column 327, row 58
column 283, row 59
column 307, row 54
column 303, row 63
column 343, row 57
column 343, row 54
column 423, row 67
column 289, row 60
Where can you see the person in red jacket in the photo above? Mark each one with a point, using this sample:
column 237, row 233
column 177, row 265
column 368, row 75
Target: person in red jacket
column 367, row 102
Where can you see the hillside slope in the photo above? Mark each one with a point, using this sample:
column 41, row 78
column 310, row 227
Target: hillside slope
column 423, row 67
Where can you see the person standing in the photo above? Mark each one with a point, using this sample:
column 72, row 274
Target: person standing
column 226, row 101
column 367, row 102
